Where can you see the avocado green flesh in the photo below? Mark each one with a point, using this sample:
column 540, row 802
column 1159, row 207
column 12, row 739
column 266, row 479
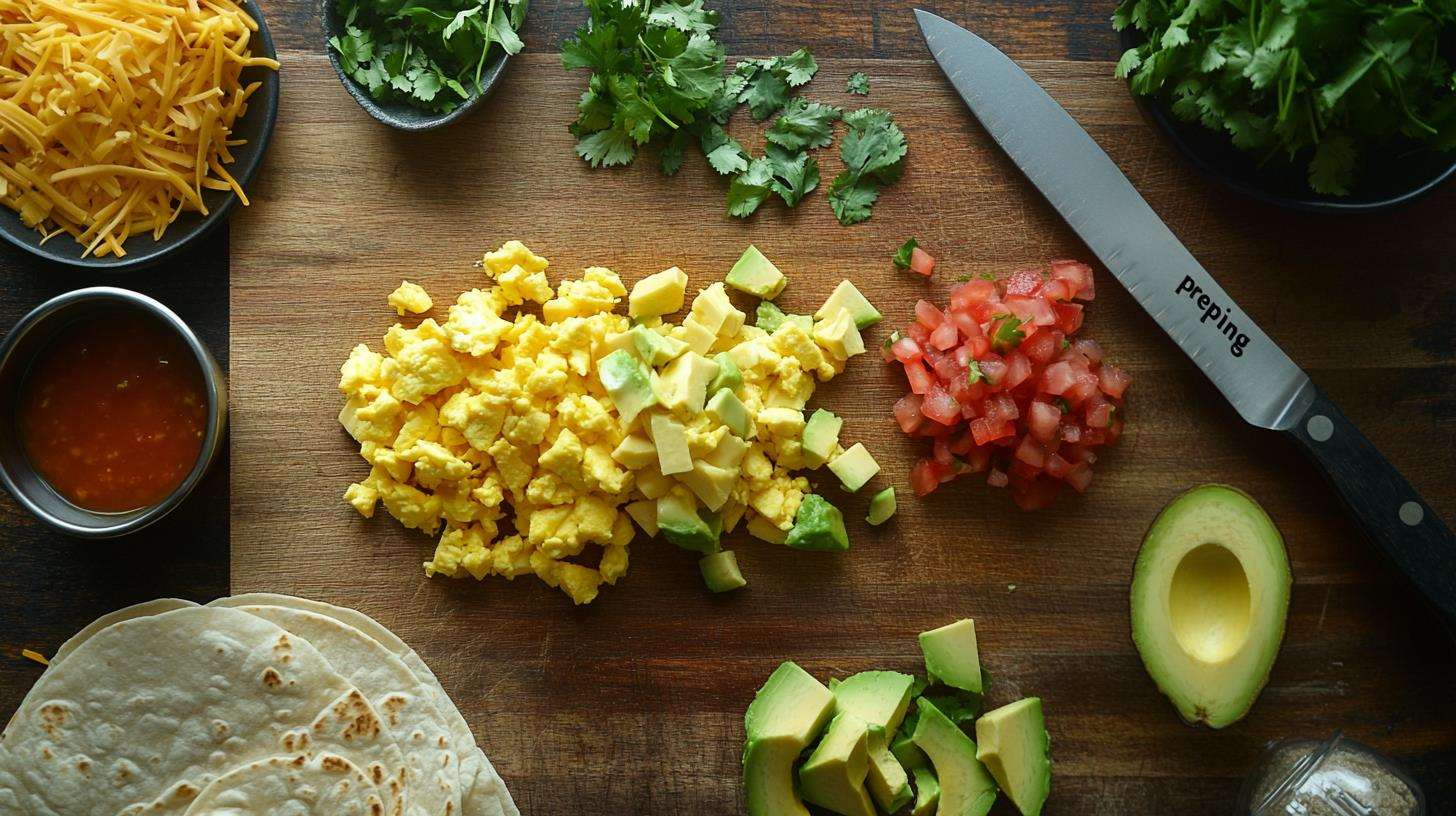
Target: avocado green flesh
column 951, row 656
column 720, row 571
column 927, row 793
column 818, row 526
column 880, row 698
column 1210, row 594
column 907, row 753
column 786, row 715
column 846, row 296
column 771, row 317
column 755, row 274
column 821, row 434
column 882, row 507
column 833, row 776
column 966, row 788
column 729, row 375
column 1012, row 743
column 680, row 523
column 625, row 379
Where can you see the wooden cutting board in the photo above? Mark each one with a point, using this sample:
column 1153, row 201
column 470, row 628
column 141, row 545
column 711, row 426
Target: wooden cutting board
column 634, row 704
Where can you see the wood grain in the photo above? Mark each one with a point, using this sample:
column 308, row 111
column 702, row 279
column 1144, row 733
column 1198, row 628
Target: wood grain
column 633, row 705
column 52, row 585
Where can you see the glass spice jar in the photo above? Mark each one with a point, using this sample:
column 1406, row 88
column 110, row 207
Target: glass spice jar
column 1339, row 777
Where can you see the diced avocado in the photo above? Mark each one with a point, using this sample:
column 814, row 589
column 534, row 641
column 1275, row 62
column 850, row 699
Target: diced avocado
column 846, row 296
column 716, row 312
column 726, row 408
column 671, row 441
column 966, row 789
column 821, row 434
column 951, row 656
column 658, row 294
column 854, row 467
column 1012, row 743
column 880, row 699
column 683, row 385
column 756, row 275
column 698, row 337
column 838, row 336
column 882, row 506
column 770, row 317
column 833, row 776
column 720, row 571
column 782, row 422
column 927, row 793
column 635, row 452
column 616, row 340
column 729, row 453
column 679, row 522
column 729, row 376
column 627, row 382
column 764, row 530
column 786, row 715
column 655, row 349
column 906, row 752
column 818, row 526
column 710, row 483
column 652, row 483
column 645, row 514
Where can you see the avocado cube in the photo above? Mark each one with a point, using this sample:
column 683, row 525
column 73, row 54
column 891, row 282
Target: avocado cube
column 833, row 776
column 716, row 312
column 720, row 571
column 729, row 453
column 966, row 788
column 627, row 382
column 882, row 507
column 846, row 296
column 655, row 349
column 658, row 294
column 679, row 522
column 1012, row 743
column 729, row 375
column 880, row 698
column 672, row 444
column 821, row 434
column 818, row 526
column 854, row 467
column 786, row 715
column 710, row 483
column 951, row 656
column 645, row 514
column 652, row 483
column 769, row 317
column 683, row 385
column 635, row 452
column 764, row 530
column 838, row 336
column 725, row 408
column 756, row 275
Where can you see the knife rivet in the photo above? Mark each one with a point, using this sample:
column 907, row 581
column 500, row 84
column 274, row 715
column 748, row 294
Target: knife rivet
column 1411, row 513
column 1320, row 428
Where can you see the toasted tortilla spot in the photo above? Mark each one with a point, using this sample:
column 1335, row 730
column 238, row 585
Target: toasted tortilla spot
column 271, row 678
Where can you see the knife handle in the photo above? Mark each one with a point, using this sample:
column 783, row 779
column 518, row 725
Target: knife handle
column 1384, row 503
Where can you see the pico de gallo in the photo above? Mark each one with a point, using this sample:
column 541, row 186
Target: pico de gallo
column 1001, row 384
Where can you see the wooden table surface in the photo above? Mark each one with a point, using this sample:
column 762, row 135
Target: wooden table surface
column 633, row 705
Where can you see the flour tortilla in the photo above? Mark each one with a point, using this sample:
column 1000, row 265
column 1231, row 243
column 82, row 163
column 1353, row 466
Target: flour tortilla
column 126, row 613
column 483, row 793
column 327, row 785
column 404, row 702
column 145, row 713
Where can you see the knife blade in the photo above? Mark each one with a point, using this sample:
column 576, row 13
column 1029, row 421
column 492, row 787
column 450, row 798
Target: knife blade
column 1264, row 386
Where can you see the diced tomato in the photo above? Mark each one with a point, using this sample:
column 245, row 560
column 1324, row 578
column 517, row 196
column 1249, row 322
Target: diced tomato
column 919, row 376
column 921, row 262
column 1039, row 406
column 907, row 413
column 1113, row 381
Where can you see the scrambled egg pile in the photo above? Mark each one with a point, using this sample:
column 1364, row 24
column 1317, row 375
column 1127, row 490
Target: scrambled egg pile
column 465, row 420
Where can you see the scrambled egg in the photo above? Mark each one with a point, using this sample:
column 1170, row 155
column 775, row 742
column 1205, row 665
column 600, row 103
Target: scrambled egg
column 495, row 432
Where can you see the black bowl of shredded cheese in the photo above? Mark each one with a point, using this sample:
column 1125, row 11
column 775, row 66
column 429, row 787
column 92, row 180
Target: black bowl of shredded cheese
column 134, row 140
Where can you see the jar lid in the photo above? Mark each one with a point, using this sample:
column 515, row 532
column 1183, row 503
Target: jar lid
column 1299, row 773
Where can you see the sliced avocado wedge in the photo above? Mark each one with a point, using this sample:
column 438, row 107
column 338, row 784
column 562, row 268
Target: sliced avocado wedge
column 882, row 507
column 818, row 526
column 755, row 274
column 854, row 467
column 720, row 571
column 951, row 656
column 786, row 715
column 680, row 523
column 821, row 434
column 880, row 698
column 927, row 793
column 966, row 788
column 1012, row 743
column 846, row 296
column 833, row 776
column 1210, row 593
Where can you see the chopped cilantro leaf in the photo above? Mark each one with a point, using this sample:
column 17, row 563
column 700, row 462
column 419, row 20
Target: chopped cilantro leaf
column 804, row 124
column 858, row 83
column 902, row 255
column 973, row 373
column 1006, row 334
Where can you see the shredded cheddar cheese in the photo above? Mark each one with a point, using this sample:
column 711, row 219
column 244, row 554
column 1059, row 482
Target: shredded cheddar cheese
column 31, row 654
column 116, row 115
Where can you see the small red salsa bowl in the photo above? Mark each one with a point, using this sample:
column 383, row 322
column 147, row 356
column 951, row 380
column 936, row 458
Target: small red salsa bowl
column 24, row 353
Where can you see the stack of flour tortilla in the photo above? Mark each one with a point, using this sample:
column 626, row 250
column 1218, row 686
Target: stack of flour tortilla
column 255, row 704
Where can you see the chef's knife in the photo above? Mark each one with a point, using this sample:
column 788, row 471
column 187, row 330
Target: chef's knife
column 1264, row 385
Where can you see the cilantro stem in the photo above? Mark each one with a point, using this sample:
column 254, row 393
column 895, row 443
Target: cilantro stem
column 489, row 37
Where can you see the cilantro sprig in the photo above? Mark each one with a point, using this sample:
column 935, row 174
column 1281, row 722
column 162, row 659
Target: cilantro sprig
column 1317, row 83
column 429, row 54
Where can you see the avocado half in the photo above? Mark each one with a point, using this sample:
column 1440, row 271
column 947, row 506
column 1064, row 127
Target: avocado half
column 1210, row 593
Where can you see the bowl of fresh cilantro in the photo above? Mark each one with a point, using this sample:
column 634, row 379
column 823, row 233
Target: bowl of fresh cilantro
column 1328, row 106
column 421, row 64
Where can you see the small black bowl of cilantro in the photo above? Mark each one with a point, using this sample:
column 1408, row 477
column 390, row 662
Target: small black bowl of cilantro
column 1339, row 106
column 421, row 64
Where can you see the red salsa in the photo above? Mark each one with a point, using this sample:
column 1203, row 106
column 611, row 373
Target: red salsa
column 113, row 412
